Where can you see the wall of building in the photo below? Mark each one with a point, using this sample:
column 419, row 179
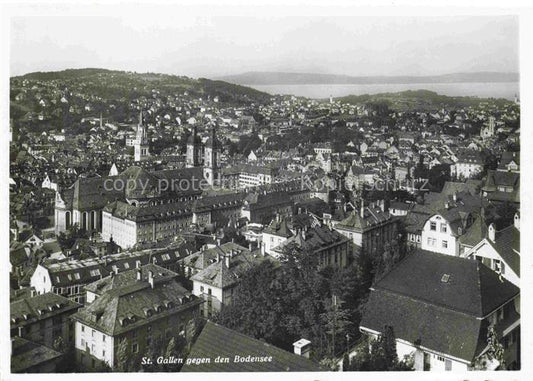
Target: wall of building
column 440, row 240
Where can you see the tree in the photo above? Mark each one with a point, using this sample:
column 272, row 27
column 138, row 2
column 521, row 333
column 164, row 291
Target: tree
column 59, row 344
column 122, row 356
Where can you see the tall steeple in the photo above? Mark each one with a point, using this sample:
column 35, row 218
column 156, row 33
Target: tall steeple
column 212, row 159
column 141, row 141
column 194, row 149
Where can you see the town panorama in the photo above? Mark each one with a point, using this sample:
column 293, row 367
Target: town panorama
column 160, row 223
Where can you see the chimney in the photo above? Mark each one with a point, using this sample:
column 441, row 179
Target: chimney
column 20, row 331
column 492, row 233
column 250, row 246
column 362, row 210
column 218, row 257
column 33, row 293
column 151, row 278
column 517, row 221
column 302, row 348
column 227, row 258
column 263, row 249
column 116, row 270
column 454, row 196
column 139, row 273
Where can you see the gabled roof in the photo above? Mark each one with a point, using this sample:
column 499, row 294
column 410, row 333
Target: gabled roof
column 216, row 340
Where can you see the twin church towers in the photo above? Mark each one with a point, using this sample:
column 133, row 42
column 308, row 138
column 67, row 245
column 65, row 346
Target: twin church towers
column 198, row 154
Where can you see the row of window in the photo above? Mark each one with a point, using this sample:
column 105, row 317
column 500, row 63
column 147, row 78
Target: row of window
column 433, row 242
column 443, row 227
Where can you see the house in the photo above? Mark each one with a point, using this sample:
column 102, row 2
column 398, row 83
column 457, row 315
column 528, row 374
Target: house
column 216, row 341
column 329, row 247
column 509, row 162
column 217, row 283
column 369, row 228
column 69, row 278
column 500, row 251
column 501, row 187
column 444, row 226
column 133, row 307
column 282, row 228
column 43, row 318
column 50, row 182
column 468, row 165
column 440, row 309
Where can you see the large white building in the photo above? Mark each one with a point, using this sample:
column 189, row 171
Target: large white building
column 135, row 307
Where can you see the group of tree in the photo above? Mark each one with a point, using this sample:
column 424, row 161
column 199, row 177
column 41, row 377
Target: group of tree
column 282, row 303
column 378, row 355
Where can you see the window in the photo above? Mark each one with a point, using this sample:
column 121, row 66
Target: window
column 201, row 289
column 444, row 244
column 209, row 291
column 103, row 338
column 83, row 328
column 443, row 228
column 103, row 353
column 135, row 348
column 93, row 332
column 83, row 343
column 433, row 226
column 440, row 358
column 77, row 276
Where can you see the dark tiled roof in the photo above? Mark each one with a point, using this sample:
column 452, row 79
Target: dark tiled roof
column 216, row 340
column 313, row 240
column 430, row 326
column 28, row 310
column 127, row 303
column 218, row 274
column 372, row 217
column 63, row 274
column 442, row 316
column 472, row 288
column 475, row 234
column 27, row 354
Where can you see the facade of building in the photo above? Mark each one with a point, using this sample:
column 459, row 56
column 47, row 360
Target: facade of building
column 43, row 318
column 217, row 282
column 131, row 309
column 329, row 247
column 70, row 278
column 468, row 165
column 369, row 229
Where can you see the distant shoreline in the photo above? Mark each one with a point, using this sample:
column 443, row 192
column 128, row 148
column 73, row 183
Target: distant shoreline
column 505, row 90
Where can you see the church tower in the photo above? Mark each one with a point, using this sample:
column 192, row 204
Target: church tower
column 212, row 159
column 194, row 149
column 141, row 141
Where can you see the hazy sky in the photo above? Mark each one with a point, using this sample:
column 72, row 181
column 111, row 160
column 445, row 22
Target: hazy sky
column 194, row 43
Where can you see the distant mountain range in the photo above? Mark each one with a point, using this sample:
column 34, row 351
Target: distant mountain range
column 280, row 78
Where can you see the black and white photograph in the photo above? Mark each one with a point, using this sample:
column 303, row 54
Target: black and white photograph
column 266, row 187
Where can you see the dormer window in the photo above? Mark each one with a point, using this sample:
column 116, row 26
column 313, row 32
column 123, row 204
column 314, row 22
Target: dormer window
column 445, row 278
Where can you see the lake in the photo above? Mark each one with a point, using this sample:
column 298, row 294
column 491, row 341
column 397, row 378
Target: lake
column 483, row 90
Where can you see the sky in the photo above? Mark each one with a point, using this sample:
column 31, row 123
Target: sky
column 198, row 42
